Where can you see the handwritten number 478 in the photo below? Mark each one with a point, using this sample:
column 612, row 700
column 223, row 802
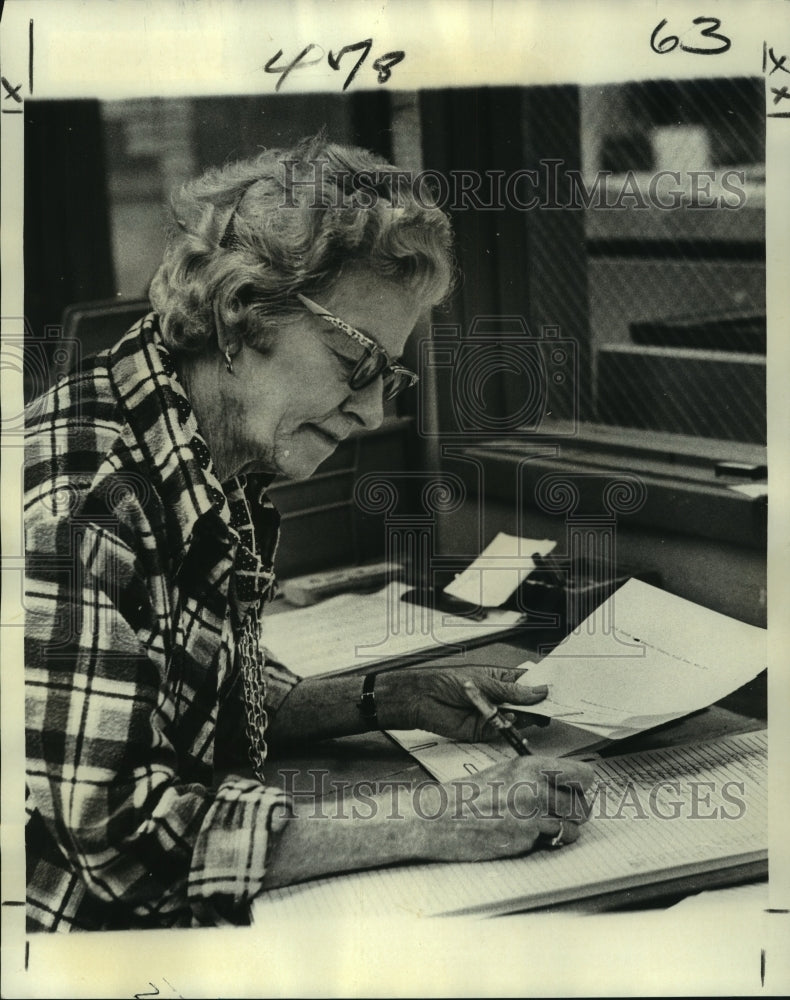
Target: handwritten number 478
column 667, row 43
column 382, row 66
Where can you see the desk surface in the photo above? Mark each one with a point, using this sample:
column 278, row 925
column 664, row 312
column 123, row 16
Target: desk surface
column 375, row 757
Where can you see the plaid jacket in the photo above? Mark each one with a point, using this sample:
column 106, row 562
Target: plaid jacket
column 140, row 568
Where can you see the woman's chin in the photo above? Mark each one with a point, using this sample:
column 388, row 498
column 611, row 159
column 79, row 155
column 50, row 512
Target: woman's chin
column 301, row 467
column 289, row 464
column 302, row 461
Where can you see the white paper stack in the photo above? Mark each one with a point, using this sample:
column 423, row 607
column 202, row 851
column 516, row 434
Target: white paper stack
column 643, row 658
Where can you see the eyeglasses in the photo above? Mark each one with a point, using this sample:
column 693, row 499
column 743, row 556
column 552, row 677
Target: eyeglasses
column 374, row 362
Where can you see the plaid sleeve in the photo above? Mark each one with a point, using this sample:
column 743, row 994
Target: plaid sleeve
column 229, row 859
column 103, row 773
column 280, row 681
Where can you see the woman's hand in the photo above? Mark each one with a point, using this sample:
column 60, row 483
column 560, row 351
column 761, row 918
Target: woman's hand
column 434, row 699
column 504, row 811
column 429, row 698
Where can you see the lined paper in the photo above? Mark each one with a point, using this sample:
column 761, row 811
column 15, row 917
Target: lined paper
column 356, row 630
column 618, row 847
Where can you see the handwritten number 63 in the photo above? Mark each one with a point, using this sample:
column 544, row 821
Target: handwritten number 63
column 382, row 66
column 670, row 42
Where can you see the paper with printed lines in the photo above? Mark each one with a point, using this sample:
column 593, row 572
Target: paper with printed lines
column 655, row 815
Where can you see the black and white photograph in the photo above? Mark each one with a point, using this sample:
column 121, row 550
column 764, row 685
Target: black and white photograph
column 392, row 604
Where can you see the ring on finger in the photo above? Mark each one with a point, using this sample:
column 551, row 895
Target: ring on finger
column 559, row 838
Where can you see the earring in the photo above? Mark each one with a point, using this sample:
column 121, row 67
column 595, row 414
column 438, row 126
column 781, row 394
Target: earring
column 228, row 360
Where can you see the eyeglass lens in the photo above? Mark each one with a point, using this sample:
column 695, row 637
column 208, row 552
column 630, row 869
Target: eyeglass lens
column 369, row 369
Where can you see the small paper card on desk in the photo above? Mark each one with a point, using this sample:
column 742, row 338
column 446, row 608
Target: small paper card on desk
column 751, row 489
column 501, row 567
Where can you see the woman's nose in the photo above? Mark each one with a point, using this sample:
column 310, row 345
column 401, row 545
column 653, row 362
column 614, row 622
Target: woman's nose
column 367, row 405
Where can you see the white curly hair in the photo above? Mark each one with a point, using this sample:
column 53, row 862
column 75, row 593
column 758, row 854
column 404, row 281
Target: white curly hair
column 249, row 235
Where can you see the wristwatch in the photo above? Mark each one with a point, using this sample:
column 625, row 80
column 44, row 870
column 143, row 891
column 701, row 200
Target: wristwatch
column 367, row 701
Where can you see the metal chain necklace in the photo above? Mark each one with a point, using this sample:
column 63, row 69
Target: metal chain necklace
column 254, row 684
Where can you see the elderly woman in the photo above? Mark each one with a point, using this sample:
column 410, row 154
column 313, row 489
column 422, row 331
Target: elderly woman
column 283, row 303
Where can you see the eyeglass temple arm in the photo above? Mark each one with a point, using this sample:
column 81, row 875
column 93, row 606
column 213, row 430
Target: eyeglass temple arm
column 312, row 306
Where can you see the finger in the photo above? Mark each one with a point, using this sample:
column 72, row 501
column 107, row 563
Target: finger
column 516, row 694
column 568, row 803
column 562, row 785
column 510, row 676
column 559, row 831
column 575, row 773
column 560, row 771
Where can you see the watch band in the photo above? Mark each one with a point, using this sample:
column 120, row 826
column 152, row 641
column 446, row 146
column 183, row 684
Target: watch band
column 367, row 701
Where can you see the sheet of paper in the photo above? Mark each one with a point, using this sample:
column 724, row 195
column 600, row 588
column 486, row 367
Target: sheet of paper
column 447, row 759
column 354, row 630
column 628, row 838
column 751, row 489
column 501, row 567
column 645, row 657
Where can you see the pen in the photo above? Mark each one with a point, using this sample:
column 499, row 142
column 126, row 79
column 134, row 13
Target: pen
column 492, row 714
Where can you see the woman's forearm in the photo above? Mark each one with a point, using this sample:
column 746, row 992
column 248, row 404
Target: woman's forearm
column 319, row 708
column 496, row 813
column 316, row 842
column 431, row 698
